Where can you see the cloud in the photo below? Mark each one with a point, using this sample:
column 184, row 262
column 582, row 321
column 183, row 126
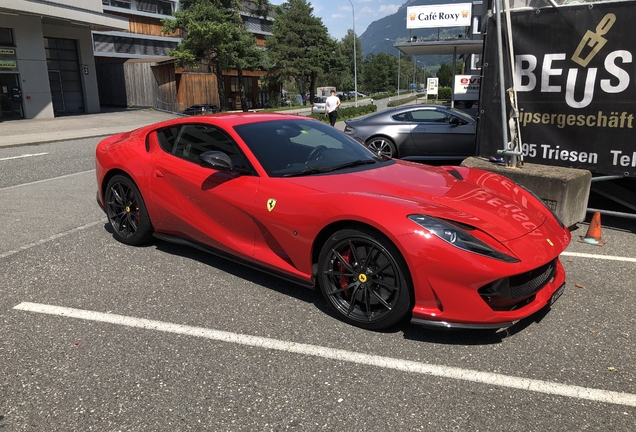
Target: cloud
column 386, row 10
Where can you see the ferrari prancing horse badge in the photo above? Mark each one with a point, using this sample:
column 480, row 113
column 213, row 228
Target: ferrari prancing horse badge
column 271, row 203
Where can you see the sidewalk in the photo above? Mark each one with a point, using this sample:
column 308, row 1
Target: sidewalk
column 37, row 131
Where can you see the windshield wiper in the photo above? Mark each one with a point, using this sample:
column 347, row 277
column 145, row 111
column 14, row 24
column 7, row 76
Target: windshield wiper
column 351, row 164
column 304, row 173
column 316, row 170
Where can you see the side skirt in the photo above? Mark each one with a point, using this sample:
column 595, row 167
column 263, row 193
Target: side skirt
column 186, row 242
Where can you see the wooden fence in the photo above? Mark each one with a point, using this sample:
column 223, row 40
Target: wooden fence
column 197, row 88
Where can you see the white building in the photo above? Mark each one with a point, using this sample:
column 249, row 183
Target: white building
column 47, row 66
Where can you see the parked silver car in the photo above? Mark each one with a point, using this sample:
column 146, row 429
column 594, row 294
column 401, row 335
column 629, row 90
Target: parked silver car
column 319, row 104
column 417, row 132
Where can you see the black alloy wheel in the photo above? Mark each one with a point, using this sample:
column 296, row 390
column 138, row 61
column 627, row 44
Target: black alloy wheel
column 127, row 212
column 363, row 277
column 383, row 147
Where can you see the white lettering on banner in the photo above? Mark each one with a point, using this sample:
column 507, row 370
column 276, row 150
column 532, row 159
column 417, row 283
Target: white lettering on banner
column 548, row 151
column 526, row 79
column 547, row 72
column 610, row 66
column 623, row 160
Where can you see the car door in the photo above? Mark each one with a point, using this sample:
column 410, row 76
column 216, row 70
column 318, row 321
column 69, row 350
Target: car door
column 210, row 206
column 440, row 133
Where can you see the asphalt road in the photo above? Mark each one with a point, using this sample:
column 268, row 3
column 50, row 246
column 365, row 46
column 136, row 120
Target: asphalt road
column 95, row 335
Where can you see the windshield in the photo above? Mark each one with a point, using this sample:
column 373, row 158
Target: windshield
column 300, row 147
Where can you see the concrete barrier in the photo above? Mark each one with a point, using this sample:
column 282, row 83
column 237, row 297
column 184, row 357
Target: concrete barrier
column 564, row 190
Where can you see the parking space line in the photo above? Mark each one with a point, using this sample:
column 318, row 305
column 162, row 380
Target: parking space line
column 47, row 180
column 23, row 156
column 539, row 386
column 48, row 239
column 601, row 257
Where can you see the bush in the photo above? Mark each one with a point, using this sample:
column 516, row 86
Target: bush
column 443, row 93
column 347, row 113
column 403, row 100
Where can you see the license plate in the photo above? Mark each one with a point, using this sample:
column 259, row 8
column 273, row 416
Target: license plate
column 556, row 295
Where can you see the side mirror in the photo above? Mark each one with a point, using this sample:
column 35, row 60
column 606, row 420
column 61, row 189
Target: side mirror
column 454, row 121
column 217, row 160
column 220, row 161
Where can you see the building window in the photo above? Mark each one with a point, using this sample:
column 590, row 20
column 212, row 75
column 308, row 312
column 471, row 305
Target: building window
column 6, row 37
column 124, row 45
column 256, row 25
column 156, row 48
column 155, row 6
column 117, row 3
column 475, row 61
column 103, row 43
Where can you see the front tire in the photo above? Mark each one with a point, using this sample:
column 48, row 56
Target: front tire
column 127, row 212
column 364, row 279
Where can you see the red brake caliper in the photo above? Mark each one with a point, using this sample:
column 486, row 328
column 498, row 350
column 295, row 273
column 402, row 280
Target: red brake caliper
column 345, row 280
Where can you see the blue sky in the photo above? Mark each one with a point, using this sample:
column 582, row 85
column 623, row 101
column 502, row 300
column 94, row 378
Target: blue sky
column 337, row 16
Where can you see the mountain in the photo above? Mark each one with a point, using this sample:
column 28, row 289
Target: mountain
column 393, row 27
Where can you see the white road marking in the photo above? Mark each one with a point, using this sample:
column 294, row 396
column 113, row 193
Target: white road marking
column 571, row 391
column 47, row 180
column 23, row 156
column 601, row 257
column 48, row 239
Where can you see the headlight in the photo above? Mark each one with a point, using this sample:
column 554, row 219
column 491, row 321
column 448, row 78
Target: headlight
column 349, row 130
column 458, row 237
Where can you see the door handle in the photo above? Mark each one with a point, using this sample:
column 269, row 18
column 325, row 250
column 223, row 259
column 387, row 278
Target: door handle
column 158, row 173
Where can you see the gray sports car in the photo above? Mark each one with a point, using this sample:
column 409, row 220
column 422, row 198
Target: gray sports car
column 417, row 132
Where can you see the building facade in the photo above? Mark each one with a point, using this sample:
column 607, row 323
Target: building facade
column 47, row 67
column 134, row 67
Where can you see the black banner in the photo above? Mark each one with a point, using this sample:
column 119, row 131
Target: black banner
column 576, row 87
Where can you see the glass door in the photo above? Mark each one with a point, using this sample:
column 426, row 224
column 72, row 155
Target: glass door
column 10, row 97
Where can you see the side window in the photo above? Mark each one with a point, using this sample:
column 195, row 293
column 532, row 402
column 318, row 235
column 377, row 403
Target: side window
column 167, row 138
column 193, row 140
column 429, row 116
column 403, row 117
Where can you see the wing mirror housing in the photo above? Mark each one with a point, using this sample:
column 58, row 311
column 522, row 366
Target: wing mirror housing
column 220, row 161
column 217, row 160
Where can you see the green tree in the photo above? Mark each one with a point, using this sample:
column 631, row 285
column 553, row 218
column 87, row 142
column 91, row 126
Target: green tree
column 214, row 35
column 346, row 49
column 445, row 75
column 300, row 47
column 378, row 71
column 243, row 55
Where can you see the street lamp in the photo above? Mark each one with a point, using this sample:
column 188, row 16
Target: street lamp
column 399, row 56
column 355, row 55
column 415, row 62
column 414, row 80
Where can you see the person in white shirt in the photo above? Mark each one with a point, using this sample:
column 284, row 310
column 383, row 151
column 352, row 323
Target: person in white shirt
column 331, row 107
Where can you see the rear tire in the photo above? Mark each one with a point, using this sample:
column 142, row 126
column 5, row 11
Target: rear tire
column 383, row 147
column 127, row 212
column 363, row 277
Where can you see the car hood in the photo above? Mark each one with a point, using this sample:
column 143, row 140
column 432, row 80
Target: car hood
column 434, row 191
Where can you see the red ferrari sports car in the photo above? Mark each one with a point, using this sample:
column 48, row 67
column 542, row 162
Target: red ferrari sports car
column 384, row 240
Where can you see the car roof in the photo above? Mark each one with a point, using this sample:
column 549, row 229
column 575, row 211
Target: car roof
column 397, row 110
column 229, row 120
